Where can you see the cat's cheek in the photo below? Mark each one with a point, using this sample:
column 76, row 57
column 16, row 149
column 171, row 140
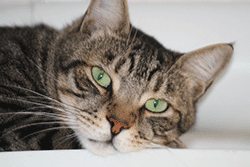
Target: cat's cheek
column 98, row 131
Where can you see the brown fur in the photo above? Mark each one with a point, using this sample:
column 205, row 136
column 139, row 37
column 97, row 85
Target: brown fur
column 50, row 100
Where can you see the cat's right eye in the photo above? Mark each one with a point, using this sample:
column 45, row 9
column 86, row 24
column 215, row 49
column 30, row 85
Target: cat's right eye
column 101, row 77
column 155, row 105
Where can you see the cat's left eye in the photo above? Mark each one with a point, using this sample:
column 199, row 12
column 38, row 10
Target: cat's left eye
column 155, row 105
column 101, row 77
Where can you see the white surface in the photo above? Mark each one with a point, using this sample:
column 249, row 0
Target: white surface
column 223, row 118
column 147, row 158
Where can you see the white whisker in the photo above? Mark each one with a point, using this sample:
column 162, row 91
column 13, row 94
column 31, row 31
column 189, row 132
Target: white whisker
column 133, row 40
column 66, row 137
column 51, row 99
column 32, row 124
column 48, row 129
column 41, row 69
column 40, row 104
column 26, row 112
column 72, row 137
column 130, row 32
column 153, row 145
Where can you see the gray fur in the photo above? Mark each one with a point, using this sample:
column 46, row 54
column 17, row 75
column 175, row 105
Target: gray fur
column 49, row 99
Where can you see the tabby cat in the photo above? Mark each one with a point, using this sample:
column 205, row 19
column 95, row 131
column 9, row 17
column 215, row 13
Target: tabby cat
column 99, row 84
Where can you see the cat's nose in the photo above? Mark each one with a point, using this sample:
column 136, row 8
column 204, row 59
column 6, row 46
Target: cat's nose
column 116, row 126
column 121, row 116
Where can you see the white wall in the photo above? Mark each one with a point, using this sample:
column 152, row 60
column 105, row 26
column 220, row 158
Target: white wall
column 223, row 120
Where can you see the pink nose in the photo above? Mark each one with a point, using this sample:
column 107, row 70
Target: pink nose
column 121, row 117
column 117, row 126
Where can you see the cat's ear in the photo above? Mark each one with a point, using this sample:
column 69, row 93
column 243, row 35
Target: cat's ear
column 204, row 65
column 195, row 72
column 104, row 15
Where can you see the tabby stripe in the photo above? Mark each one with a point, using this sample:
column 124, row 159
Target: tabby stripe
column 5, row 144
column 22, row 46
column 179, row 123
column 10, row 79
column 154, row 132
column 69, row 91
column 17, row 80
column 132, row 61
column 29, row 77
column 160, row 57
column 32, row 130
column 46, row 142
column 73, row 64
column 14, row 123
column 152, row 72
column 25, row 49
column 109, row 56
column 35, row 77
column 119, row 64
column 44, row 57
column 138, row 47
column 80, row 87
column 44, row 64
column 158, row 84
column 32, row 76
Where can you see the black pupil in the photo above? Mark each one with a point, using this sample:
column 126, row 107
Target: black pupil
column 100, row 76
column 156, row 102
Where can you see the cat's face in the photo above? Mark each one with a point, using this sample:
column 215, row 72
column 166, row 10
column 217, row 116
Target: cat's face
column 130, row 105
column 122, row 93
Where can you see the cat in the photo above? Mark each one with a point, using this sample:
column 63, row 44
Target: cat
column 99, row 84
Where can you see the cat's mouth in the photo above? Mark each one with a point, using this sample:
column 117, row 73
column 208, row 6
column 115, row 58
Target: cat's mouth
column 108, row 142
column 102, row 148
column 96, row 141
column 108, row 147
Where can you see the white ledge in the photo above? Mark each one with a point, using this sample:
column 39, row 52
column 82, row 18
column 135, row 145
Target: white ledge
column 152, row 158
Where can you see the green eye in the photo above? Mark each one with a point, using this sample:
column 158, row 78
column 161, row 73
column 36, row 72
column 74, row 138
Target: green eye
column 155, row 105
column 101, row 77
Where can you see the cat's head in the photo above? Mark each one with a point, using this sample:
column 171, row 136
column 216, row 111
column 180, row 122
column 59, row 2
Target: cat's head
column 122, row 90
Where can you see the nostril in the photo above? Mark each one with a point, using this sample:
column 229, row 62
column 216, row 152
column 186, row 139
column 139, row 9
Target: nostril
column 116, row 126
column 111, row 122
column 108, row 119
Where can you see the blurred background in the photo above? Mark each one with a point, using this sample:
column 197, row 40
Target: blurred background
column 223, row 117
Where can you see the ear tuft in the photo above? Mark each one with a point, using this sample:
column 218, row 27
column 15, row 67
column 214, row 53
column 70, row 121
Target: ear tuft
column 207, row 63
column 105, row 15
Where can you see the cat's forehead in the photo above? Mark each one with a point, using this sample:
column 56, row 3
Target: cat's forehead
column 132, row 63
column 136, row 65
column 115, row 51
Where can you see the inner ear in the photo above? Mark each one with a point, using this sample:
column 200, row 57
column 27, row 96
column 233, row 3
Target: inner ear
column 104, row 15
column 204, row 65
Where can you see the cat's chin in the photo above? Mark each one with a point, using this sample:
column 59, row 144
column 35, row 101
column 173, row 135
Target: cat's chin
column 101, row 148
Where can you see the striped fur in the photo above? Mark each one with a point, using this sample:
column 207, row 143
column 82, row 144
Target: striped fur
column 49, row 99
